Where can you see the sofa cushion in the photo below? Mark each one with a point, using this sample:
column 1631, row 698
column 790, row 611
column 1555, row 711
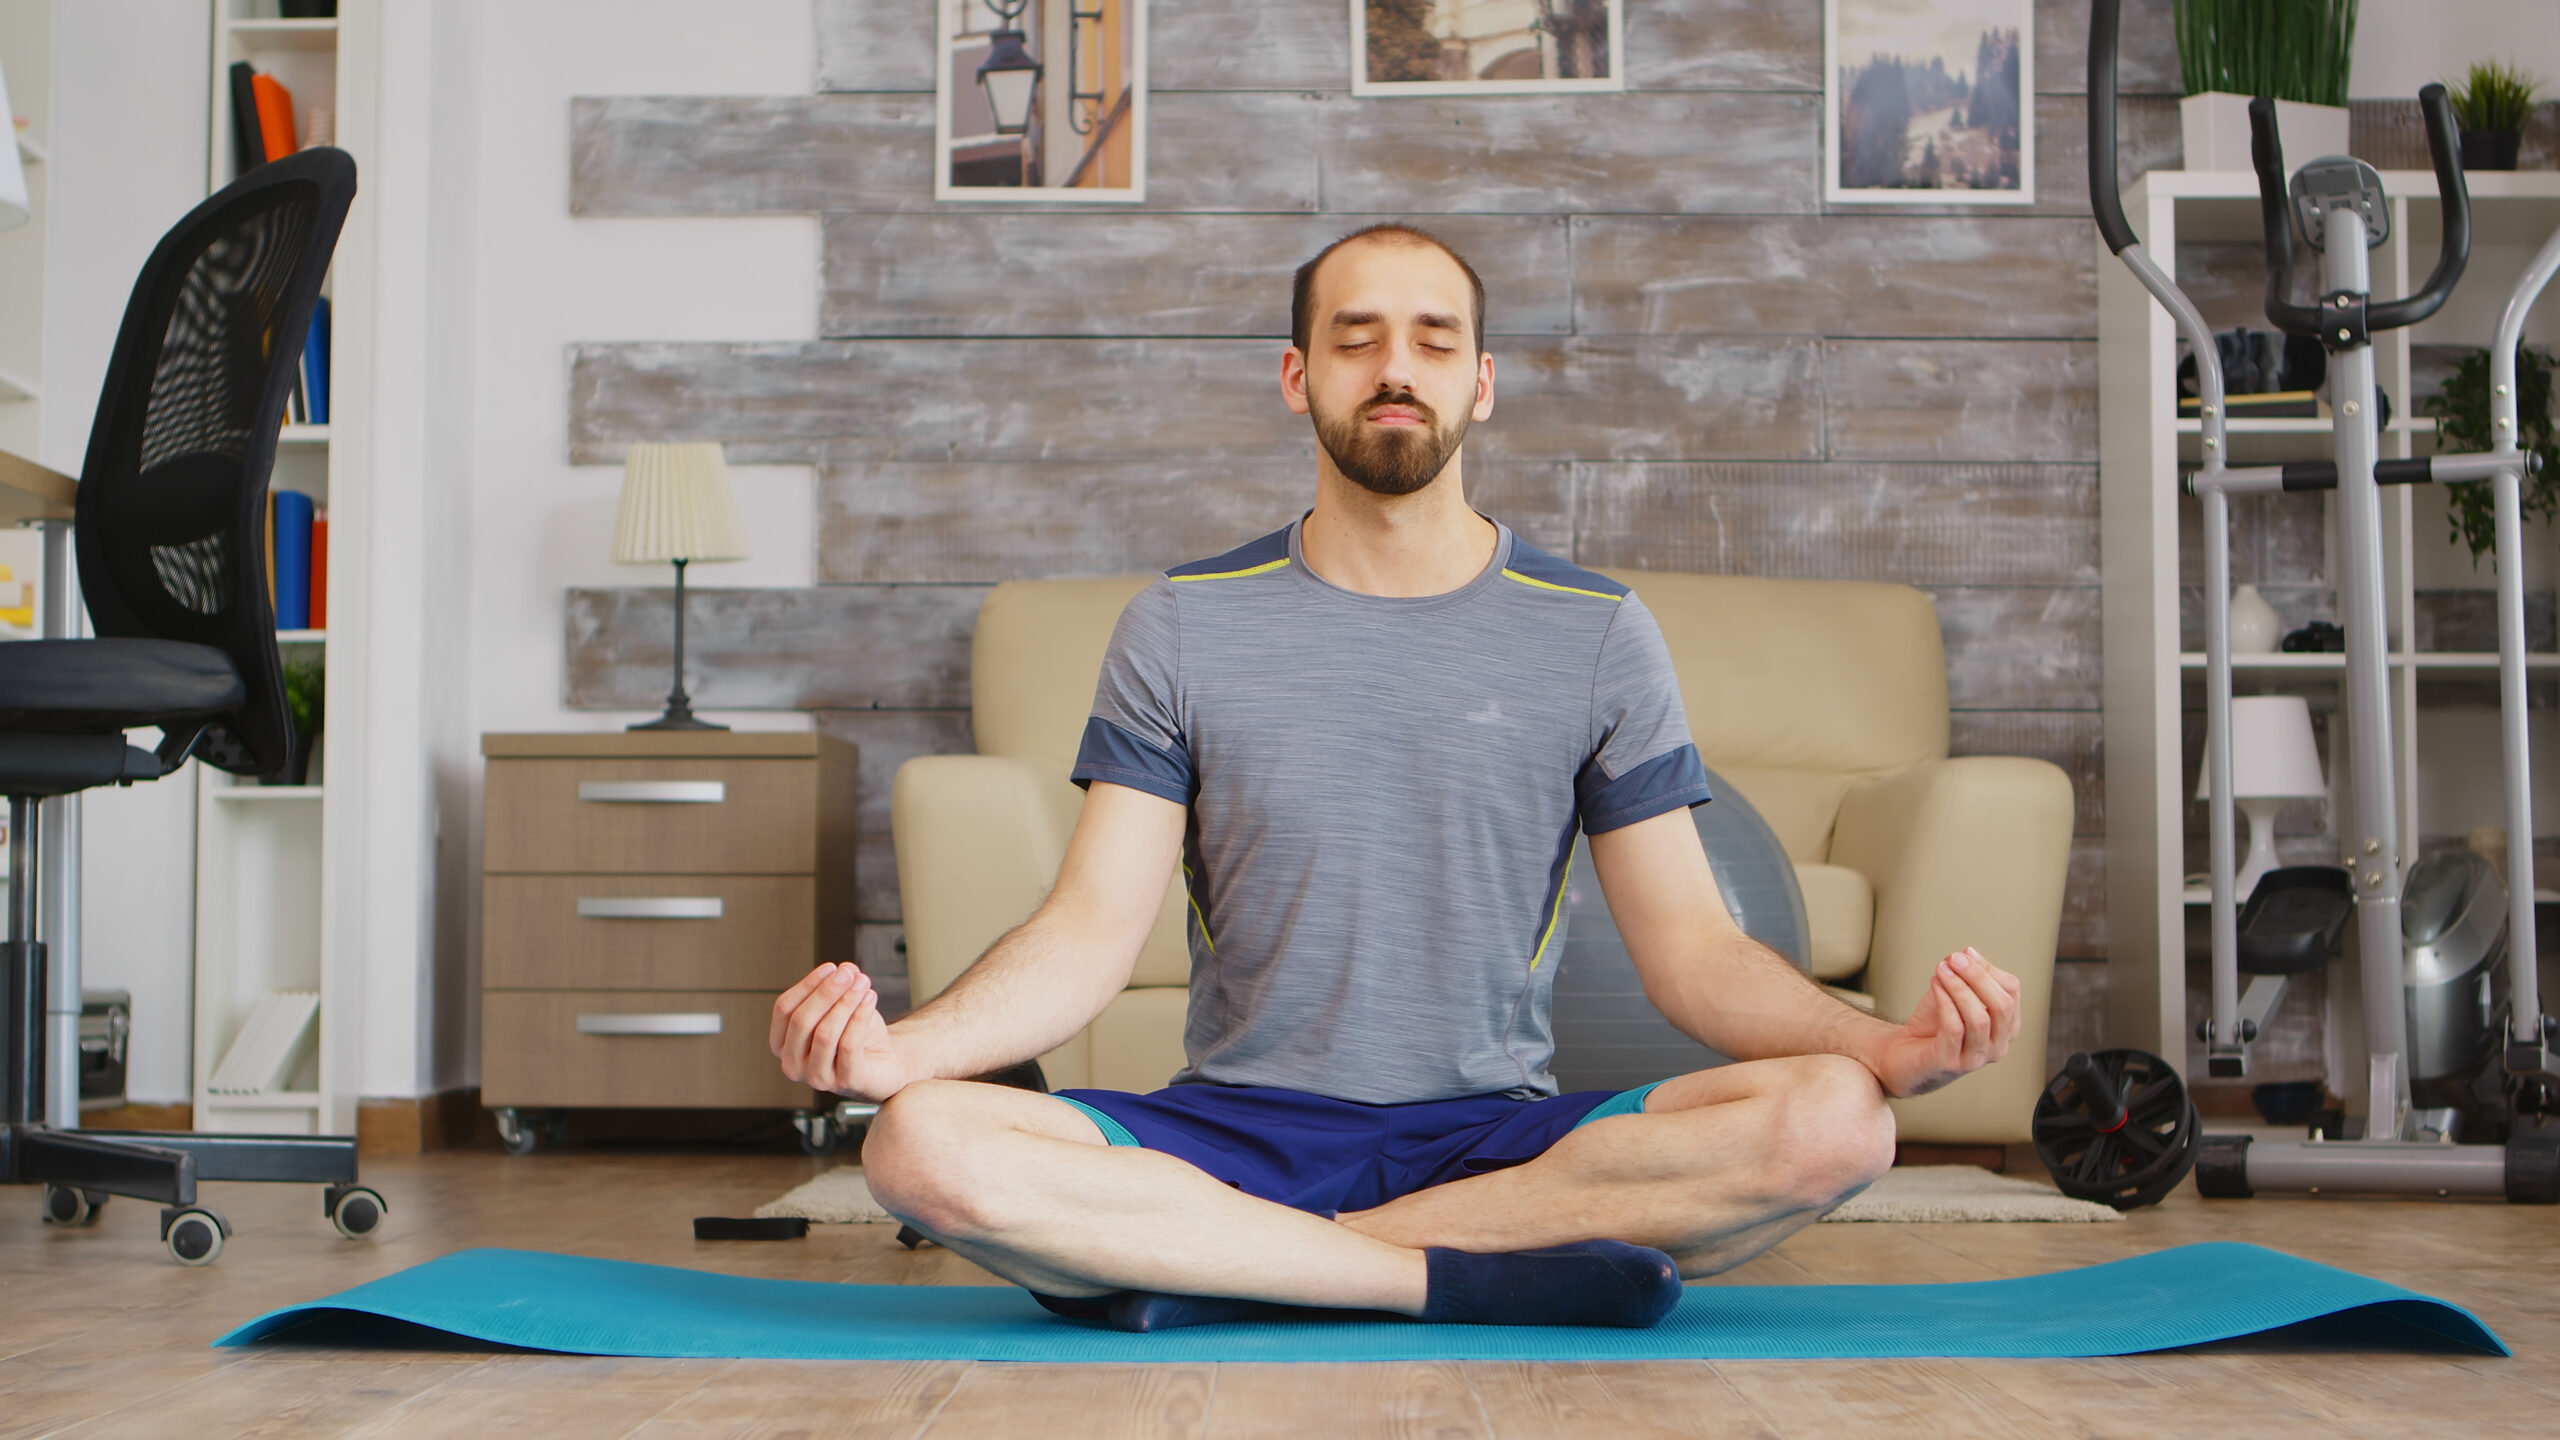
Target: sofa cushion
column 1034, row 660
column 1137, row 1039
column 1840, row 910
column 1816, row 677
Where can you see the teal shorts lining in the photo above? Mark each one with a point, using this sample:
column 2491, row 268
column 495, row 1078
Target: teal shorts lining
column 1112, row 1130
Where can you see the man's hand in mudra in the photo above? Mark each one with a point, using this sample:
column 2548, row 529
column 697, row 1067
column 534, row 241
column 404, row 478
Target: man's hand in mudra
column 828, row 1034
column 1964, row 1022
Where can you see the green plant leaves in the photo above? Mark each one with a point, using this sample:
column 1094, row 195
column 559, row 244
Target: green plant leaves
column 2461, row 409
column 2285, row 49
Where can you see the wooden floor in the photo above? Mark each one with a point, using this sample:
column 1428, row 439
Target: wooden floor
column 100, row 1334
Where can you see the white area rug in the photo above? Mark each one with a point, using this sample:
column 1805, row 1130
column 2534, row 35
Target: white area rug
column 839, row 1197
column 1921, row 1193
column 1907, row 1194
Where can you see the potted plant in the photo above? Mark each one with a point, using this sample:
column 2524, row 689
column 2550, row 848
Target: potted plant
column 2461, row 408
column 2292, row 51
column 2492, row 104
column 305, row 693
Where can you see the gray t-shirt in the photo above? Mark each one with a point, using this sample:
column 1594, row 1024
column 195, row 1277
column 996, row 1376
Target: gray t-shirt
column 1384, row 794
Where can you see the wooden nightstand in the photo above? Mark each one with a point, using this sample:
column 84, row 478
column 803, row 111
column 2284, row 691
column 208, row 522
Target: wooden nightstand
column 644, row 896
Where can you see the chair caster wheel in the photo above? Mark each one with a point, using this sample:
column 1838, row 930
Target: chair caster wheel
column 820, row 1135
column 356, row 1210
column 71, row 1207
column 193, row 1233
column 513, row 1131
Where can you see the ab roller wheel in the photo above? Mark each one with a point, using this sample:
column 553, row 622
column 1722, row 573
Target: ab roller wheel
column 2117, row 1127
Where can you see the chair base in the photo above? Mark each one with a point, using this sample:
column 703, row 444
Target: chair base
column 166, row 1165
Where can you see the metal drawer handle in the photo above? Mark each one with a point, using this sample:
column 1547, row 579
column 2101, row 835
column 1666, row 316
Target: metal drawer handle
column 648, row 907
column 653, row 792
column 696, row 1023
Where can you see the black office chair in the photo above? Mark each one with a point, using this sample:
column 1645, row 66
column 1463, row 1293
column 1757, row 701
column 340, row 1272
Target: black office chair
column 170, row 534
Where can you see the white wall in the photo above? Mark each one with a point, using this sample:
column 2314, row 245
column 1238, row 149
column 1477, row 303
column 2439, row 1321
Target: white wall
column 538, row 281
column 128, row 158
column 2403, row 44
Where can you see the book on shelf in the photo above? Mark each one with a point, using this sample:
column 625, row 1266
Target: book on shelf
column 293, row 511
column 320, row 569
column 2273, row 405
column 275, row 115
column 269, row 1045
column 248, row 147
column 315, row 366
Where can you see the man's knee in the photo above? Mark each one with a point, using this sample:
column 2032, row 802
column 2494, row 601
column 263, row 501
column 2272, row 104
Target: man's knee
column 920, row 1163
column 1835, row 1133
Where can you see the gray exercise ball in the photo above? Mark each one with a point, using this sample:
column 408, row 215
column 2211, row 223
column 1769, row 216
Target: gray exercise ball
column 1608, row 1035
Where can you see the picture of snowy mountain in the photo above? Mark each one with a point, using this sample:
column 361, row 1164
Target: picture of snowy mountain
column 1929, row 101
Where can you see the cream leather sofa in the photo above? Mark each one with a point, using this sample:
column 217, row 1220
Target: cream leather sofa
column 1824, row 702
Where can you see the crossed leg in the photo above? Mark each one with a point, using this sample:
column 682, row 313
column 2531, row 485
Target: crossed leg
column 1723, row 1164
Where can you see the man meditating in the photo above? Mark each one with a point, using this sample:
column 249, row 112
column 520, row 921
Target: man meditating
column 1369, row 740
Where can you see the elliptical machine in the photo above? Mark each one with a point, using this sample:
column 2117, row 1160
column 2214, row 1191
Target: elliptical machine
column 2337, row 203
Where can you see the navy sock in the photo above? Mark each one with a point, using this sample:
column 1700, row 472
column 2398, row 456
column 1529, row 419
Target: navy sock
column 1078, row 1307
column 1596, row 1282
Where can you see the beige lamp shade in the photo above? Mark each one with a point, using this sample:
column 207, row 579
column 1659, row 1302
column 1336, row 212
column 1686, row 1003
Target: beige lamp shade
column 2272, row 753
column 676, row 505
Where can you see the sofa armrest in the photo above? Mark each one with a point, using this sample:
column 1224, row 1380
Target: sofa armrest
column 1963, row 852
column 979, row 840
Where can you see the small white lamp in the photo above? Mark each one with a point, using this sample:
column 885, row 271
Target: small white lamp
column 676, row 505
column 2273, row 759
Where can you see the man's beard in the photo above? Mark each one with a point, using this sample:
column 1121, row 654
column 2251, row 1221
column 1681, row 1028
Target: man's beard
column 1393, row 459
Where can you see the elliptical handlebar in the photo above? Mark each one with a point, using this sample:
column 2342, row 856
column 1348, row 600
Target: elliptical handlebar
column 2454, row 251
column 2266, row 152
column 2104, row 202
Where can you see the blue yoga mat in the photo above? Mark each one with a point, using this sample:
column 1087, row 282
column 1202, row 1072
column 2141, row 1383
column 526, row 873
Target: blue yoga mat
column 2185, row 1296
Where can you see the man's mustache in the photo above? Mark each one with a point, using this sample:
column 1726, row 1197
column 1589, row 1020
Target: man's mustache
column 1407, row 401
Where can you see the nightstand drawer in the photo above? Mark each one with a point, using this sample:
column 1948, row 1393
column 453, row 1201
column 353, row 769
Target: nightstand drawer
column 647, row 932
column 622, row 1047
column 652, row 817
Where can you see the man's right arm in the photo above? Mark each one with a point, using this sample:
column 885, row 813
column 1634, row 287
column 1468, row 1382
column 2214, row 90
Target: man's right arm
column 1036, row 987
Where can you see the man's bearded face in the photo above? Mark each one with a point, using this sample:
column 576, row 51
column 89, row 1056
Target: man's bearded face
column 1389, row 459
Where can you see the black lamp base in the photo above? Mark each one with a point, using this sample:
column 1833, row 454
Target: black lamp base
column 679, row 714
column 674, row 720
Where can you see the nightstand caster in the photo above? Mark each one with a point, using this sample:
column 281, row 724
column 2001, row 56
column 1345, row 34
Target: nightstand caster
column 193, row 1233
column 819, row 1133
column 356, row 1210
column 513, row 1132
column 72, row 1208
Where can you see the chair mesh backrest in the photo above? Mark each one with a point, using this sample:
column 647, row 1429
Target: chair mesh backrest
column 172, row 507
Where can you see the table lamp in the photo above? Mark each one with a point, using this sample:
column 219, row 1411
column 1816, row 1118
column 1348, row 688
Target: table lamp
column 676, row 505
column 2273, row 760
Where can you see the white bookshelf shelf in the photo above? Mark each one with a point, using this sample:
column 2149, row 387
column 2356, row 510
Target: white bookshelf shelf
column 17, row 387
column 265, row 794
column 302, row 637
column 31, row 152
column 2451, row 660
column 313, row 37
column 303, row 435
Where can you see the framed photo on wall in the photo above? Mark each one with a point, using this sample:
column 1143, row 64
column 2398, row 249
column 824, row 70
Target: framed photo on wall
column 1040, row 100
column 1486, row 47
column 1929, row 102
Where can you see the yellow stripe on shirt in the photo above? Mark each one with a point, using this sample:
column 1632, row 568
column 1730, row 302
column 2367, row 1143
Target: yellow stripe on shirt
column 1561, row 882
column 1265, row 567
column 1541, row 584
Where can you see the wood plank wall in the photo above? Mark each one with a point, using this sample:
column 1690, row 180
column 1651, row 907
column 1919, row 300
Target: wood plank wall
column 1703, row 365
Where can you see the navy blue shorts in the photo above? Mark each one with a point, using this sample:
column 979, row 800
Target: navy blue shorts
column 1313, row 1153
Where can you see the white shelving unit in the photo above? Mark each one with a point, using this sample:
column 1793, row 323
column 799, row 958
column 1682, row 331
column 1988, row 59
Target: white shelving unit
column 264, row 865
column 2143, row 445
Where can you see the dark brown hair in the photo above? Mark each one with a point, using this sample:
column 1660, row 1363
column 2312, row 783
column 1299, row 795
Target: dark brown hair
column 1302, row 292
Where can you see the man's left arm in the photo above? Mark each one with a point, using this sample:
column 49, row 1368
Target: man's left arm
column 1740, row 998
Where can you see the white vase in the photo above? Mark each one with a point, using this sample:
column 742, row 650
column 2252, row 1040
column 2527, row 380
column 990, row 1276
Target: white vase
column 2256, row 629
column 2215, row 127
